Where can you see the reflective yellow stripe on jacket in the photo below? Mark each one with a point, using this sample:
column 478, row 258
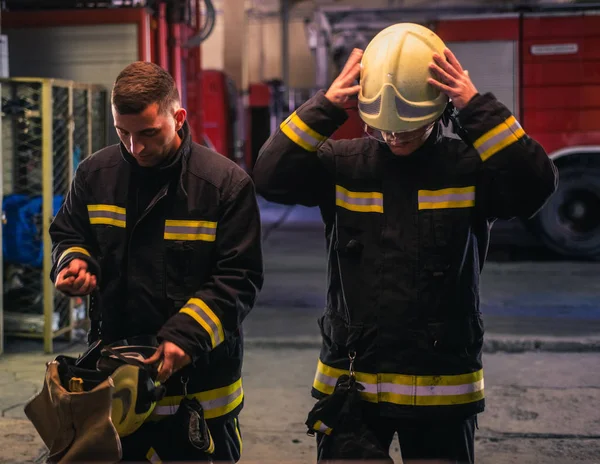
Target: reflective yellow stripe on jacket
column 153, row 457
column 71, row 250
column 360, row 202
column 203, row 315
column 461, row 197
column 190, row 230
column 501, row 136
column 321, row 427
column 299, row 133
column 410, row 390
column 215, row 403
column 110, row 215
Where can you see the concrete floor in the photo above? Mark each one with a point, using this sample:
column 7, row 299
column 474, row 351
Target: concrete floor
column 542, row 357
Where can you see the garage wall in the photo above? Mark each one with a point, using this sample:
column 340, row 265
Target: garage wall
column 90, row 54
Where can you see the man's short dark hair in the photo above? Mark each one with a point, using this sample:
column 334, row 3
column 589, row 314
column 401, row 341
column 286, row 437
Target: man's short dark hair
column 141, row 84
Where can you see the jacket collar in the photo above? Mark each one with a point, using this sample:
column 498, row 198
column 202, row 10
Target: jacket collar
column 178, row 161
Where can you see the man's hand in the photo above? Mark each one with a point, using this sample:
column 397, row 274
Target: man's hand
column 75, row 279
column 173, row 359
column 341, row 88
column 452, row 79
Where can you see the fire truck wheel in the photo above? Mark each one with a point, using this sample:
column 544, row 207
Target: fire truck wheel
column 570, row 222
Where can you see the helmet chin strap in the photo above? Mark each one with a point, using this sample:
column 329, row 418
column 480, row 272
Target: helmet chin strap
column 125, row 359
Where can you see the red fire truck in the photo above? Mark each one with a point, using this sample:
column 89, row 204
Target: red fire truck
column 542, row 61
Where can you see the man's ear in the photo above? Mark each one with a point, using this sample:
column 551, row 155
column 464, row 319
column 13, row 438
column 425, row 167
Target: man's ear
column 180, row 115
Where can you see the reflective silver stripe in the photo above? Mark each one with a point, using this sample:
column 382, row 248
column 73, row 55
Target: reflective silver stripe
column 313, row 142
column 207, row 405
column 454, row 197
column 412, row 110
column 323, row 428
column 362, row 202
column 499, row 137
column 153, row 457
column 438, row 390
column 447, row 197
column 189, row 230
column 107, row 214
column 406, row 389
column 301, row 134
column 359, row 201
column 327, row 380
column 503, row 135
column 213, row 328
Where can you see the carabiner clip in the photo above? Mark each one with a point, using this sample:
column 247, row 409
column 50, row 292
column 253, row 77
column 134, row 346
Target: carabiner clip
column 184, row 382
column 352, row 357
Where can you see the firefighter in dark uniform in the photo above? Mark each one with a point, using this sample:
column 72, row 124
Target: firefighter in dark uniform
column 168, row 231
column 407, row 216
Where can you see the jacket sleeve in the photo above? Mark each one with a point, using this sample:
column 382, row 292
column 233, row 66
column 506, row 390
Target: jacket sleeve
column 71, row 232
column 294, row 166
column 516, row 177
column 218, row 308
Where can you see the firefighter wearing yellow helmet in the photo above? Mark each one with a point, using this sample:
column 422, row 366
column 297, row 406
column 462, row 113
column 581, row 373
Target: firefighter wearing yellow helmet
column 395, row 95
column 407, row 213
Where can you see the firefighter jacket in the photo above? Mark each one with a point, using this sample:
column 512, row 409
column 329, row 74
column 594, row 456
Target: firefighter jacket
column 189, row 271
column 407, row 238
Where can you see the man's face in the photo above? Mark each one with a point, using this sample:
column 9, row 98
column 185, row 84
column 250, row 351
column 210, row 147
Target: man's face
column 150, row 136
column 405, row 143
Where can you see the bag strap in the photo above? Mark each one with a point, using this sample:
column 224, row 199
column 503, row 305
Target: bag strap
column 120, row 357
column 95, row 314
column 351, row 345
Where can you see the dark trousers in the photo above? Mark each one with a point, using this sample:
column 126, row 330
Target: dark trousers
column 450, row 440
column 150, row 443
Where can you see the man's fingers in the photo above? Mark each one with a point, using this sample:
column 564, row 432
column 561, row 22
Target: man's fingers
column 156, row 356
column 85, row 287
column 350, row 90
column 442, row 75
column 453, row 60
column 350, row 76
column 166, row 370
column 438, row 85
column 446, row 66
column 76, row 266
column 64, row 278
column 65, row 285
column 352, row 62
column 89, row 286
column 80, row 279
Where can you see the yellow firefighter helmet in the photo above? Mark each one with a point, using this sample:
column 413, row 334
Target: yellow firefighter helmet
column 395, row 95
column 136, row 390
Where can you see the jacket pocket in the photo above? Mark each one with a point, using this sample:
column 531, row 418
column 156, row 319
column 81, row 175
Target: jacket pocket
column 444, row 215
column 186, row 267
column 462, row 336
column 111, row 243
column 337, row 335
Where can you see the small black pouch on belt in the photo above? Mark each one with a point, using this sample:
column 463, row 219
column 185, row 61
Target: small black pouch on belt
column 188, row 434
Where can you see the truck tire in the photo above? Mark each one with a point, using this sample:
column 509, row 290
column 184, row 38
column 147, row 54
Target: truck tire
column 570, row 222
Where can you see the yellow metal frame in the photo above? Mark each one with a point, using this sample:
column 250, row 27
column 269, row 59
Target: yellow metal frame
column 47, row 212
column 47, row 135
